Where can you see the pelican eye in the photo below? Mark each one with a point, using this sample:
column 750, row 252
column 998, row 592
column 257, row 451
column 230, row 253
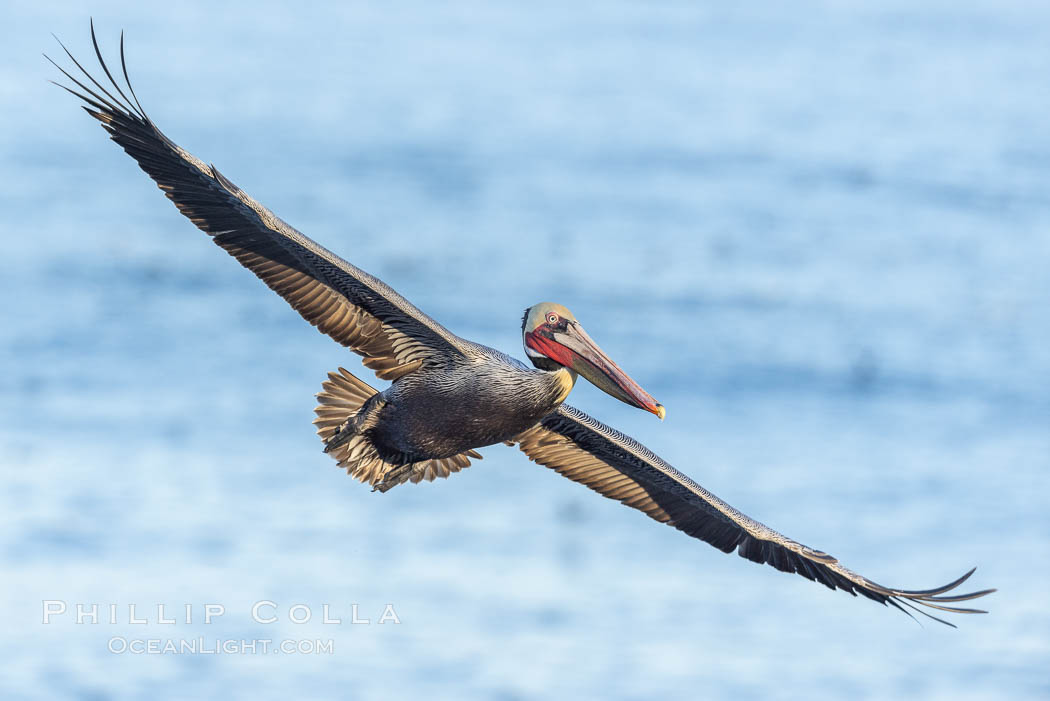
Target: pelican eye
column 552, row 319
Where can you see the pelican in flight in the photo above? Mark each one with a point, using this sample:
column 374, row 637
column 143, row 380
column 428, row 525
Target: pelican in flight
column 450, row 396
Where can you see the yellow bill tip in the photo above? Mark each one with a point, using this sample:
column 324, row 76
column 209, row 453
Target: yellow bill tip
column 660, row 411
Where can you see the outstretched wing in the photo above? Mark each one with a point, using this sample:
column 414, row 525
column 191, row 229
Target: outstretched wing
column 354, row 308
column 616, row 466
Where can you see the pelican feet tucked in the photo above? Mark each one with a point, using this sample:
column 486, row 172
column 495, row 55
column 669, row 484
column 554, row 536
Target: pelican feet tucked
column 449, row 396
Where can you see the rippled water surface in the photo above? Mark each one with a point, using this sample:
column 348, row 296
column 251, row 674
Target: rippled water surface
column 818, row 233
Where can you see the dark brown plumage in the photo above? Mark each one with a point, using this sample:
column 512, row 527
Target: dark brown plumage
column 450, row 396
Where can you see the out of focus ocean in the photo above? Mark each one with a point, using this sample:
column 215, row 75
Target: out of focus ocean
column 819, row 233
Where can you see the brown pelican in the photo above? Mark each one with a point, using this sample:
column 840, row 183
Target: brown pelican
column 448, row 395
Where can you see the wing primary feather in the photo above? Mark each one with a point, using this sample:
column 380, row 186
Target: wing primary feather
column 98, row 54
column 112, row 105
column 963, row 597
column 924, row 613
column 98, row 100
column 131, row 88
column 937, row 590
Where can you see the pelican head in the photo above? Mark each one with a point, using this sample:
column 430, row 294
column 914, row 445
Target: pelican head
column 554, row 339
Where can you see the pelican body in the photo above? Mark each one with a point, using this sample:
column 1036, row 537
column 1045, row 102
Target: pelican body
column 449, row 396
column 481, row 396
column 441, row 412
column 445, row 411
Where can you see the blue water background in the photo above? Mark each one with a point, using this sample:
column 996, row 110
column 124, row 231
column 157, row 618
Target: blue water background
column 819, row 233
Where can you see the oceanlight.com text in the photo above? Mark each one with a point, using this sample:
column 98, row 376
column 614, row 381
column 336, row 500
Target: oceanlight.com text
column 119, row 645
